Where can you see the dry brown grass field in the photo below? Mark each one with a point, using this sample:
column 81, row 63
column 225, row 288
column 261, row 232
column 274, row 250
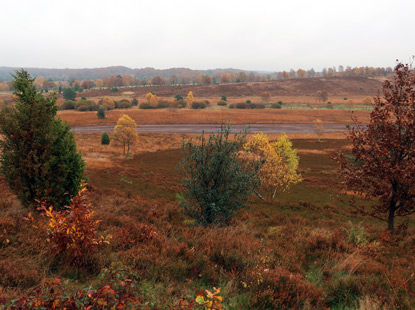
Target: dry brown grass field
column 210, row 116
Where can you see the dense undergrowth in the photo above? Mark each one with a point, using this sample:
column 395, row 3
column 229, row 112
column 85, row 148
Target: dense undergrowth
column 306, row 249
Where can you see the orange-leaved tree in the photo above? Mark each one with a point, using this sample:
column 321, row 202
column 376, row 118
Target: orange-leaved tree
column 126, row 132
column 279, row 172
column 382, row 165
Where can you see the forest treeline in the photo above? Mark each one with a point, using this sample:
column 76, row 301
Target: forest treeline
column 47, row 79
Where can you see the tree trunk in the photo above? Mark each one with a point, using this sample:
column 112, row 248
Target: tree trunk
column 124, row 150
column 128, row 148
column 391, row 216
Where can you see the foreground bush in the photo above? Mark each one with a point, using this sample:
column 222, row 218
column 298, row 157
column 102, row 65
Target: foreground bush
column 222, row 103
column 73, row 233
column 217, row 181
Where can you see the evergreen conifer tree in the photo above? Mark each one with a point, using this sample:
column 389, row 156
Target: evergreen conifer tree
column 38, row 157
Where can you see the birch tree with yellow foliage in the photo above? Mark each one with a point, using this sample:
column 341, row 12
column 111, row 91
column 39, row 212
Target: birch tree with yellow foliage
column 152, row 99
column 190, row 99
column 279, row 172
column 126, row 132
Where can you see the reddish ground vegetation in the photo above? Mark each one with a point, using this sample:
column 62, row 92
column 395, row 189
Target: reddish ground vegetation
column 305, row 249
column 269, row 116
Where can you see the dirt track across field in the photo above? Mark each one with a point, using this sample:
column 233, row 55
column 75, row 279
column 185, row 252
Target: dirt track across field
column 212, row 128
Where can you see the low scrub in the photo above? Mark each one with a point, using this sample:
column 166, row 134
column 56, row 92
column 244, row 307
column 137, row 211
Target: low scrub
column 199, row 105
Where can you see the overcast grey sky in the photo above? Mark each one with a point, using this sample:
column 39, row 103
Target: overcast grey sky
column 250, row 35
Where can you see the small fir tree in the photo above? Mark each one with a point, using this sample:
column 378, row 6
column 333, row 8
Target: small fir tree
column 38, row 157
column 101, row 113
column 105, row 139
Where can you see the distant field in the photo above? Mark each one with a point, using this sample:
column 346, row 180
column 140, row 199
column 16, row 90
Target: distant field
column 210, row 116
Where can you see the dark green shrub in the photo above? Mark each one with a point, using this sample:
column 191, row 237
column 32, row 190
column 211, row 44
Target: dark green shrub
column 345, row 98
column 101, row 113
column 105, row 139
column 257, row 106
column 199, row 105
column 68, row 105
column 275, row 106
column 46, row 166
column 114, row 89
column 207, row 102
column 224, row 98
column 222, row 103
column 248, row 101
column 69, row 94
column 280, row 102
column 178, row 97
column 134, row 102
column 240, row 105
column 146, row 105
column 216, row 180
column 83, row 98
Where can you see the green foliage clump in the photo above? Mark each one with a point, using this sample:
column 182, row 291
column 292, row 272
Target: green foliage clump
column 86, row 105
column 123, row 104
column 146, row 105
column 222, row 103
column 101, row 113
column 224, row 98
column 178, row 97
column 114, row 89
column 275, row 106
column 199, row 105
column 69, row 94
column 68, row 105
column 105, row 139
column 217, row 180
column 134, row 102
column 39, row 158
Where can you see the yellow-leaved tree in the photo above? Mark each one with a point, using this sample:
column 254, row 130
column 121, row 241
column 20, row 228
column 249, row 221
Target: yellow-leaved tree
column 152, row 99
column 279, row 172
column 190, row 99
column 126, row 132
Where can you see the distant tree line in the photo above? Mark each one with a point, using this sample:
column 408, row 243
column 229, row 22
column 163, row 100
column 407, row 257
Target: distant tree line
column 190, row 77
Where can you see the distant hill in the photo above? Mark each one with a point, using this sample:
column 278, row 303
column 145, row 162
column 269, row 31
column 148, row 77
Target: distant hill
column 97, row 73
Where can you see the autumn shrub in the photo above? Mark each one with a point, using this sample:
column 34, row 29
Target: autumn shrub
column 181, row 104
column 68, row 105
column 239, row 105
column 162, row 104
column 277, row 288
column 199, row 105
column 146, row 105
column 72, row 233
column 257, row 106
column 107, row 103
column 222, row 103
column 116, row 288
column 275, row 105
column 124, row 104
column 86, row 105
